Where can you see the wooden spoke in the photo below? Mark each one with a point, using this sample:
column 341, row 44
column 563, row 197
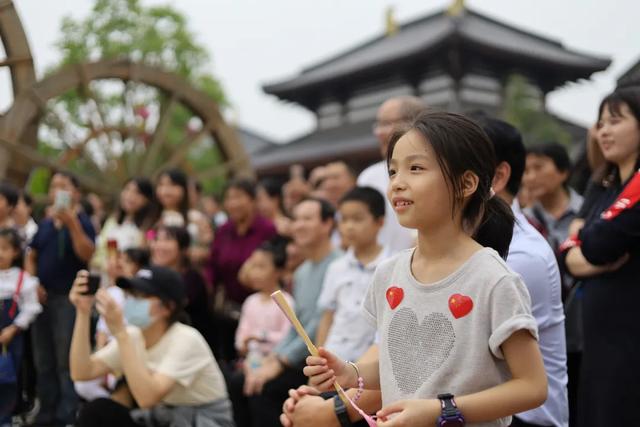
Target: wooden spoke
column 223, row 169
column 159, row 138
column 7, row 62
column 181, row 151
column 33, row 156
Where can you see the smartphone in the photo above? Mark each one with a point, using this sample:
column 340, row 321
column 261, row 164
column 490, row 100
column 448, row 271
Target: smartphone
column 93, row 284
column 63, row 200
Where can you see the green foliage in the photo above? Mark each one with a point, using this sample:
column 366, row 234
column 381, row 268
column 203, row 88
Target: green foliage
column 523, row 109
column 105, row 129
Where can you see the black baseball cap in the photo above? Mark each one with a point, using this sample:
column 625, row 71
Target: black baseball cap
column 161, row 282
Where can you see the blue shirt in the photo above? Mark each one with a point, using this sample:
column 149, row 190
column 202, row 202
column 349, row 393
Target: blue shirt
column 57, row 263
column 532, row 258
column 307, row 286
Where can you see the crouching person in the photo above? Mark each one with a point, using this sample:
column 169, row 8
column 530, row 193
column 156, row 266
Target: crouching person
column 168, row 374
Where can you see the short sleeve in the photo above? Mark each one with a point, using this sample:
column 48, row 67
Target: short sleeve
column 36, row 242
column 370, row 303
column 328, row 297
column 510, row 312
column 88, row 227
column 186, row 358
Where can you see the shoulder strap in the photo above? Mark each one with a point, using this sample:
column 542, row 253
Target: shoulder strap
column 16, row 295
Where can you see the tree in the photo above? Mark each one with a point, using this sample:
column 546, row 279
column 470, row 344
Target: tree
column 523, row 108
column 105, row 128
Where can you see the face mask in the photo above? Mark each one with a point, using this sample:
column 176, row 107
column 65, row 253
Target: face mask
column 136, row 312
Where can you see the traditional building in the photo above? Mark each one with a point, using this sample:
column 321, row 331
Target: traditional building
column 458, row 61
column 631, row 77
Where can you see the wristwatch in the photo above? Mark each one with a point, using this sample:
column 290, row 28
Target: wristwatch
column 341, row 412
column 450, row 415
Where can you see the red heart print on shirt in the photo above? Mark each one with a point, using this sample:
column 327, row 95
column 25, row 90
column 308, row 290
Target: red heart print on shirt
column 394, row 296
column 460, row 305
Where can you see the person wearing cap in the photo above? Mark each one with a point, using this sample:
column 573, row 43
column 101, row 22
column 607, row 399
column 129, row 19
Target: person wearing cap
column 168, row 367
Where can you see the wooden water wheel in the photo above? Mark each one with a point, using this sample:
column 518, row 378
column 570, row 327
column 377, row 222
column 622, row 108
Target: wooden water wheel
column 17, row 58
column 107, row 142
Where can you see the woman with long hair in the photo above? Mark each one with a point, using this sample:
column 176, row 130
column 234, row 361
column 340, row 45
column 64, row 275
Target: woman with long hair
column 604, row 252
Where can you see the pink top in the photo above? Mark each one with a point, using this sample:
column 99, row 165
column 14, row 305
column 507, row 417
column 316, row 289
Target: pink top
column 261, row 318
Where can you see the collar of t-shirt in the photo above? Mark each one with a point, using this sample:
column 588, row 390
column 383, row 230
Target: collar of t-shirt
column 575, row 203
column 371, row 266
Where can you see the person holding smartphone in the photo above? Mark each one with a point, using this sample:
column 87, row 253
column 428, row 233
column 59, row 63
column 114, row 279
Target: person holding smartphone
column 62, row 245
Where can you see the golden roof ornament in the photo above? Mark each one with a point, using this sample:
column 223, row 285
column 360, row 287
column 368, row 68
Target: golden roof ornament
column 456, row 8
column 390, row 21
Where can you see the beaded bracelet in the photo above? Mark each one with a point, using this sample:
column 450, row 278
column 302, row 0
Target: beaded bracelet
column 360, row 382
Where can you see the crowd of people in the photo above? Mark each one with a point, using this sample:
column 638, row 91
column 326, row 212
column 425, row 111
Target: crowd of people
column 459, row 279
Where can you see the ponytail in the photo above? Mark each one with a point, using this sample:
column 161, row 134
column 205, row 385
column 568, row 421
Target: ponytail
column 496, row 226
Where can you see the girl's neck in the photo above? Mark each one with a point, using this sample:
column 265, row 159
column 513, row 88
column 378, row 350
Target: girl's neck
column 21, row 221
column 266, row 292
column 627, row 168
column 7, row 222
column 441, row 251
column 6, row 267
column 368, row 253
column 556, row 203
column 154, row 333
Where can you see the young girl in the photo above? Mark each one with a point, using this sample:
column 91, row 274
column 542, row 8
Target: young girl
column 18, row 308
column 452, row 319
column 262, row 325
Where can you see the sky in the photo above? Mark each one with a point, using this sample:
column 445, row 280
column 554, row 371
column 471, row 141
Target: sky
column 253, row 42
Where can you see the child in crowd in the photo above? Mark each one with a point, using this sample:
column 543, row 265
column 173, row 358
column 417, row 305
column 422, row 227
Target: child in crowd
column 452, row 318
column 8, row 201
column 343, row 330
column 262, row 325
column 22, row 217
column 19, row 307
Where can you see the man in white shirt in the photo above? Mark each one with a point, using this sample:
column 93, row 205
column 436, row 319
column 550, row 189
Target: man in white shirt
column 531, row 256
column 392, row 113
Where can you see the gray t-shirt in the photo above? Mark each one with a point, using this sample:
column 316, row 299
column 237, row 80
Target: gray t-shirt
column 445, row 337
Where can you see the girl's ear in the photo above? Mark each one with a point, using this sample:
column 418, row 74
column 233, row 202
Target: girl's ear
column 469, row 184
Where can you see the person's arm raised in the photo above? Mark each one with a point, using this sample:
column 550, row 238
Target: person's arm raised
column 147, row 387
column 83, row 246
column 81, row 365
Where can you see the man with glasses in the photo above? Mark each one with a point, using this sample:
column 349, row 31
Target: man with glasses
column 392, row 113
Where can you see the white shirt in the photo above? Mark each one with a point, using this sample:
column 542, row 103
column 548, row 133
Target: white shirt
column 531, row 256
column 28, row 305
column 345, row 286
column 181, row 354
column 392, row 235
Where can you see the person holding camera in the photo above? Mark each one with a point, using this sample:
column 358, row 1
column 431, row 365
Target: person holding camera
column 62, row 245
column 165, row 367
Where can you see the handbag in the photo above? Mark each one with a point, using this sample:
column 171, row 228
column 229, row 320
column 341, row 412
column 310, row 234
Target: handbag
column 8, row 373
